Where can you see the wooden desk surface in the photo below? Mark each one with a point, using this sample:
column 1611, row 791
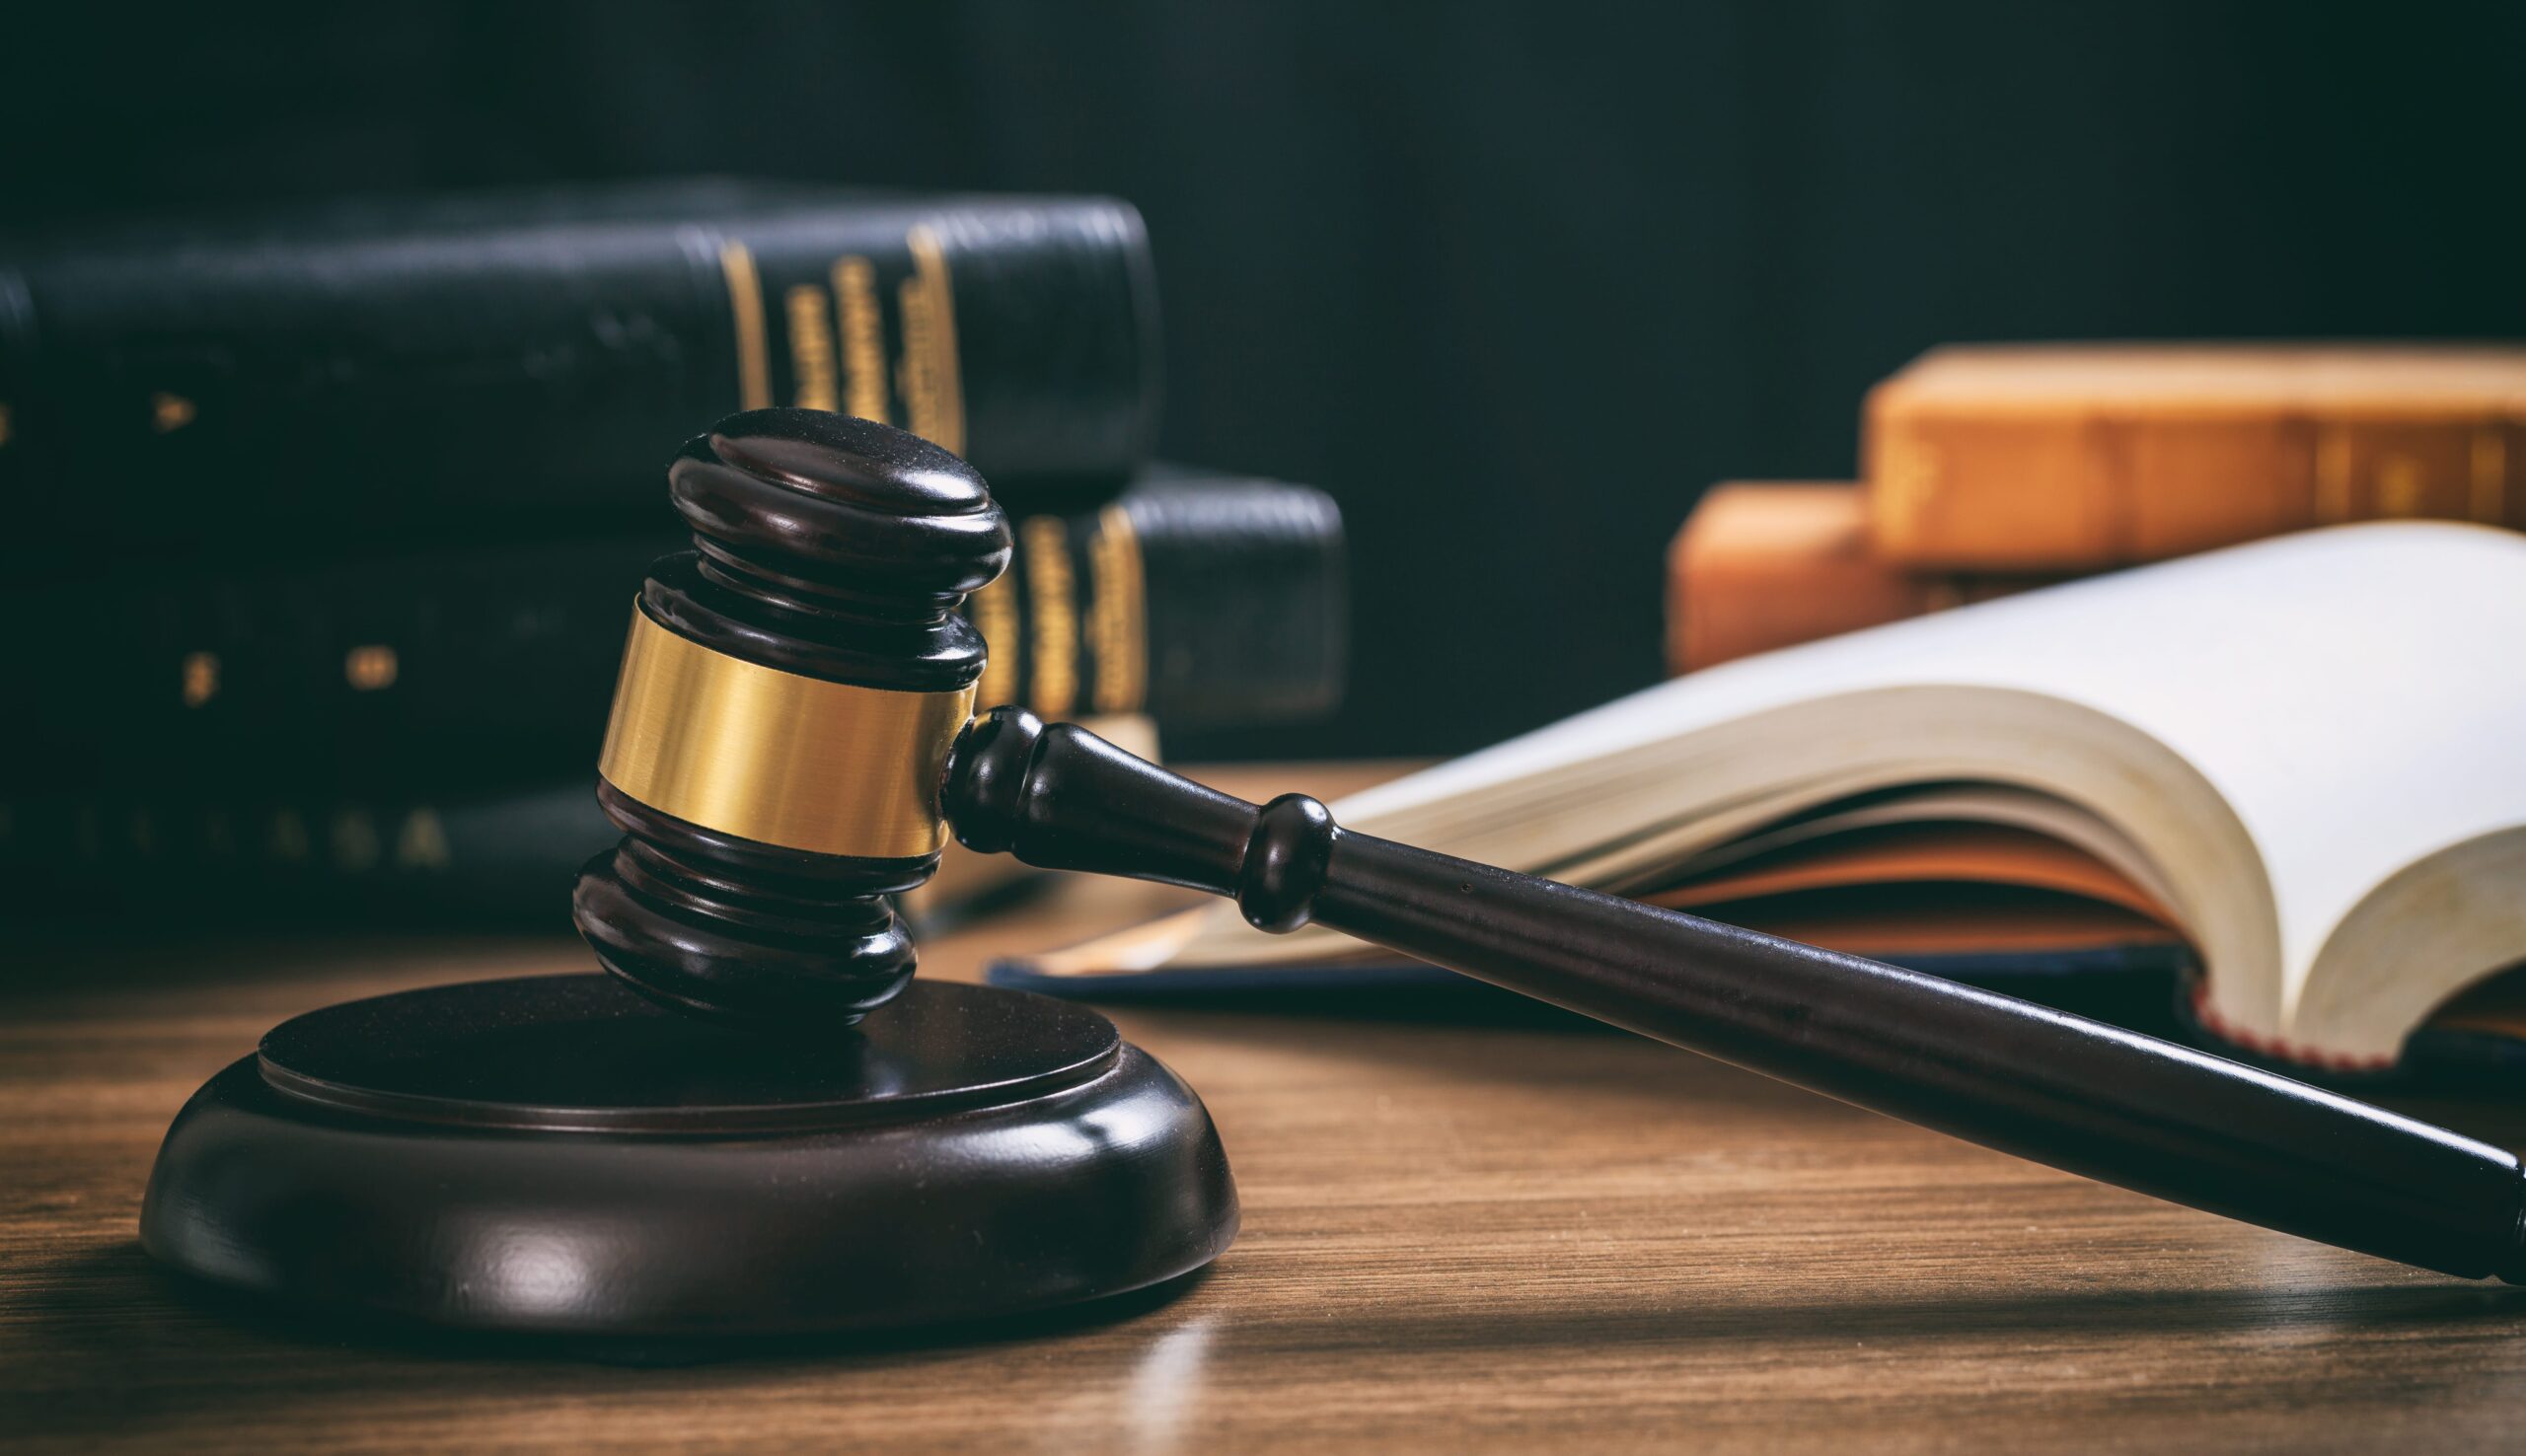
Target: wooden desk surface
column 1458, row 1235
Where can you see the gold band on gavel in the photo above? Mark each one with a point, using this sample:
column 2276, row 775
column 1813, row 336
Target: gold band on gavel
column 776, row 758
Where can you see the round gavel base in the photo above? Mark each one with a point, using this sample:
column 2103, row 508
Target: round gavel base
column 558, row 1155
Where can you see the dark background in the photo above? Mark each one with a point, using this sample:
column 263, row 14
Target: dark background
column 1515, row 282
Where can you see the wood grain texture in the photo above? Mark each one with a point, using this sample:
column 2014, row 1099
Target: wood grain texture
column 1465, row 1229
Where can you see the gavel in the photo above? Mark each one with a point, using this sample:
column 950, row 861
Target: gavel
column 794, row 740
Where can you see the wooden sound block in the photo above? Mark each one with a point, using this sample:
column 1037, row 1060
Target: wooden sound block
column 558, row 1155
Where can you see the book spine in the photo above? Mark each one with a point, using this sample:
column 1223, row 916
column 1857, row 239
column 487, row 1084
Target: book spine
column 503, row 857
column 465, row 378
column 1197, row 600
column 2042, row 491
column 176, row 858
column 1761, row 566
column 1719, row 612
column 1192, row 601
column 424, row 673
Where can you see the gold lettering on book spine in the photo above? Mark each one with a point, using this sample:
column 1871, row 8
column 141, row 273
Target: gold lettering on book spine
column 864, row 338
column 932, row 392
column 993, row 613
column 370, row 666
column 745, row 308
column 1054, row 611
column 200, row 678
column 422, row 843
column 811, row 356
column 1118, row 614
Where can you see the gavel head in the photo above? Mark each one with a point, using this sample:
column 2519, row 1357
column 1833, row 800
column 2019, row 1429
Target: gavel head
column 788, row 696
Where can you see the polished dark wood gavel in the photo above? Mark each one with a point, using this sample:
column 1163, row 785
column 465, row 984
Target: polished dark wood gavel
column 792, row 741
column 832, row 555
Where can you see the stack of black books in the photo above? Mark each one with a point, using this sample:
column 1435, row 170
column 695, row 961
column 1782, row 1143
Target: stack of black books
column 327, row 524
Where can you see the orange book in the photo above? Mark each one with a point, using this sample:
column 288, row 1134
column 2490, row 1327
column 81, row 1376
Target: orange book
column 1768, row 564
column 2078, row 457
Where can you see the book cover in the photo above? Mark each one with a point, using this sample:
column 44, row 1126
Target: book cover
column 2061, row 458
column 482, row 367
column 1189, row 597
column 1765, row 564
column 497, row 854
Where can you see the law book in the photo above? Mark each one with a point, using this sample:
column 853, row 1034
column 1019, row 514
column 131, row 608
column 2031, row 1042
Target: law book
column 1190, row 596
column 491, row 365
column 178, row 855
column 2063, row 458
column 2315, row 790
column 1765, row 564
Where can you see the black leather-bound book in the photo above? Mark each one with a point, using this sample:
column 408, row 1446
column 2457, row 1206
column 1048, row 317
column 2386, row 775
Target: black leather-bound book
column 257, row 857
column 1202, row 600
column 1195, row 599
column 484, row 367
column 159, row 855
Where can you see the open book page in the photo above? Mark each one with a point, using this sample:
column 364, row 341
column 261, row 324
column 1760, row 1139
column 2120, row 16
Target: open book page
column 2060, row 823
column 2279, row 727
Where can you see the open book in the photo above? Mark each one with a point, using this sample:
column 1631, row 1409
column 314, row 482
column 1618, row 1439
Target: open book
column 2305, row 758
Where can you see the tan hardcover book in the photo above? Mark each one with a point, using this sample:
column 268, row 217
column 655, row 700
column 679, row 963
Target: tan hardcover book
column 2077, row 458
column 1767, row 565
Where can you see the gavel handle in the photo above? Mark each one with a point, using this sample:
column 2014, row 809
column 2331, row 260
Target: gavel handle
column 2059, row 1089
